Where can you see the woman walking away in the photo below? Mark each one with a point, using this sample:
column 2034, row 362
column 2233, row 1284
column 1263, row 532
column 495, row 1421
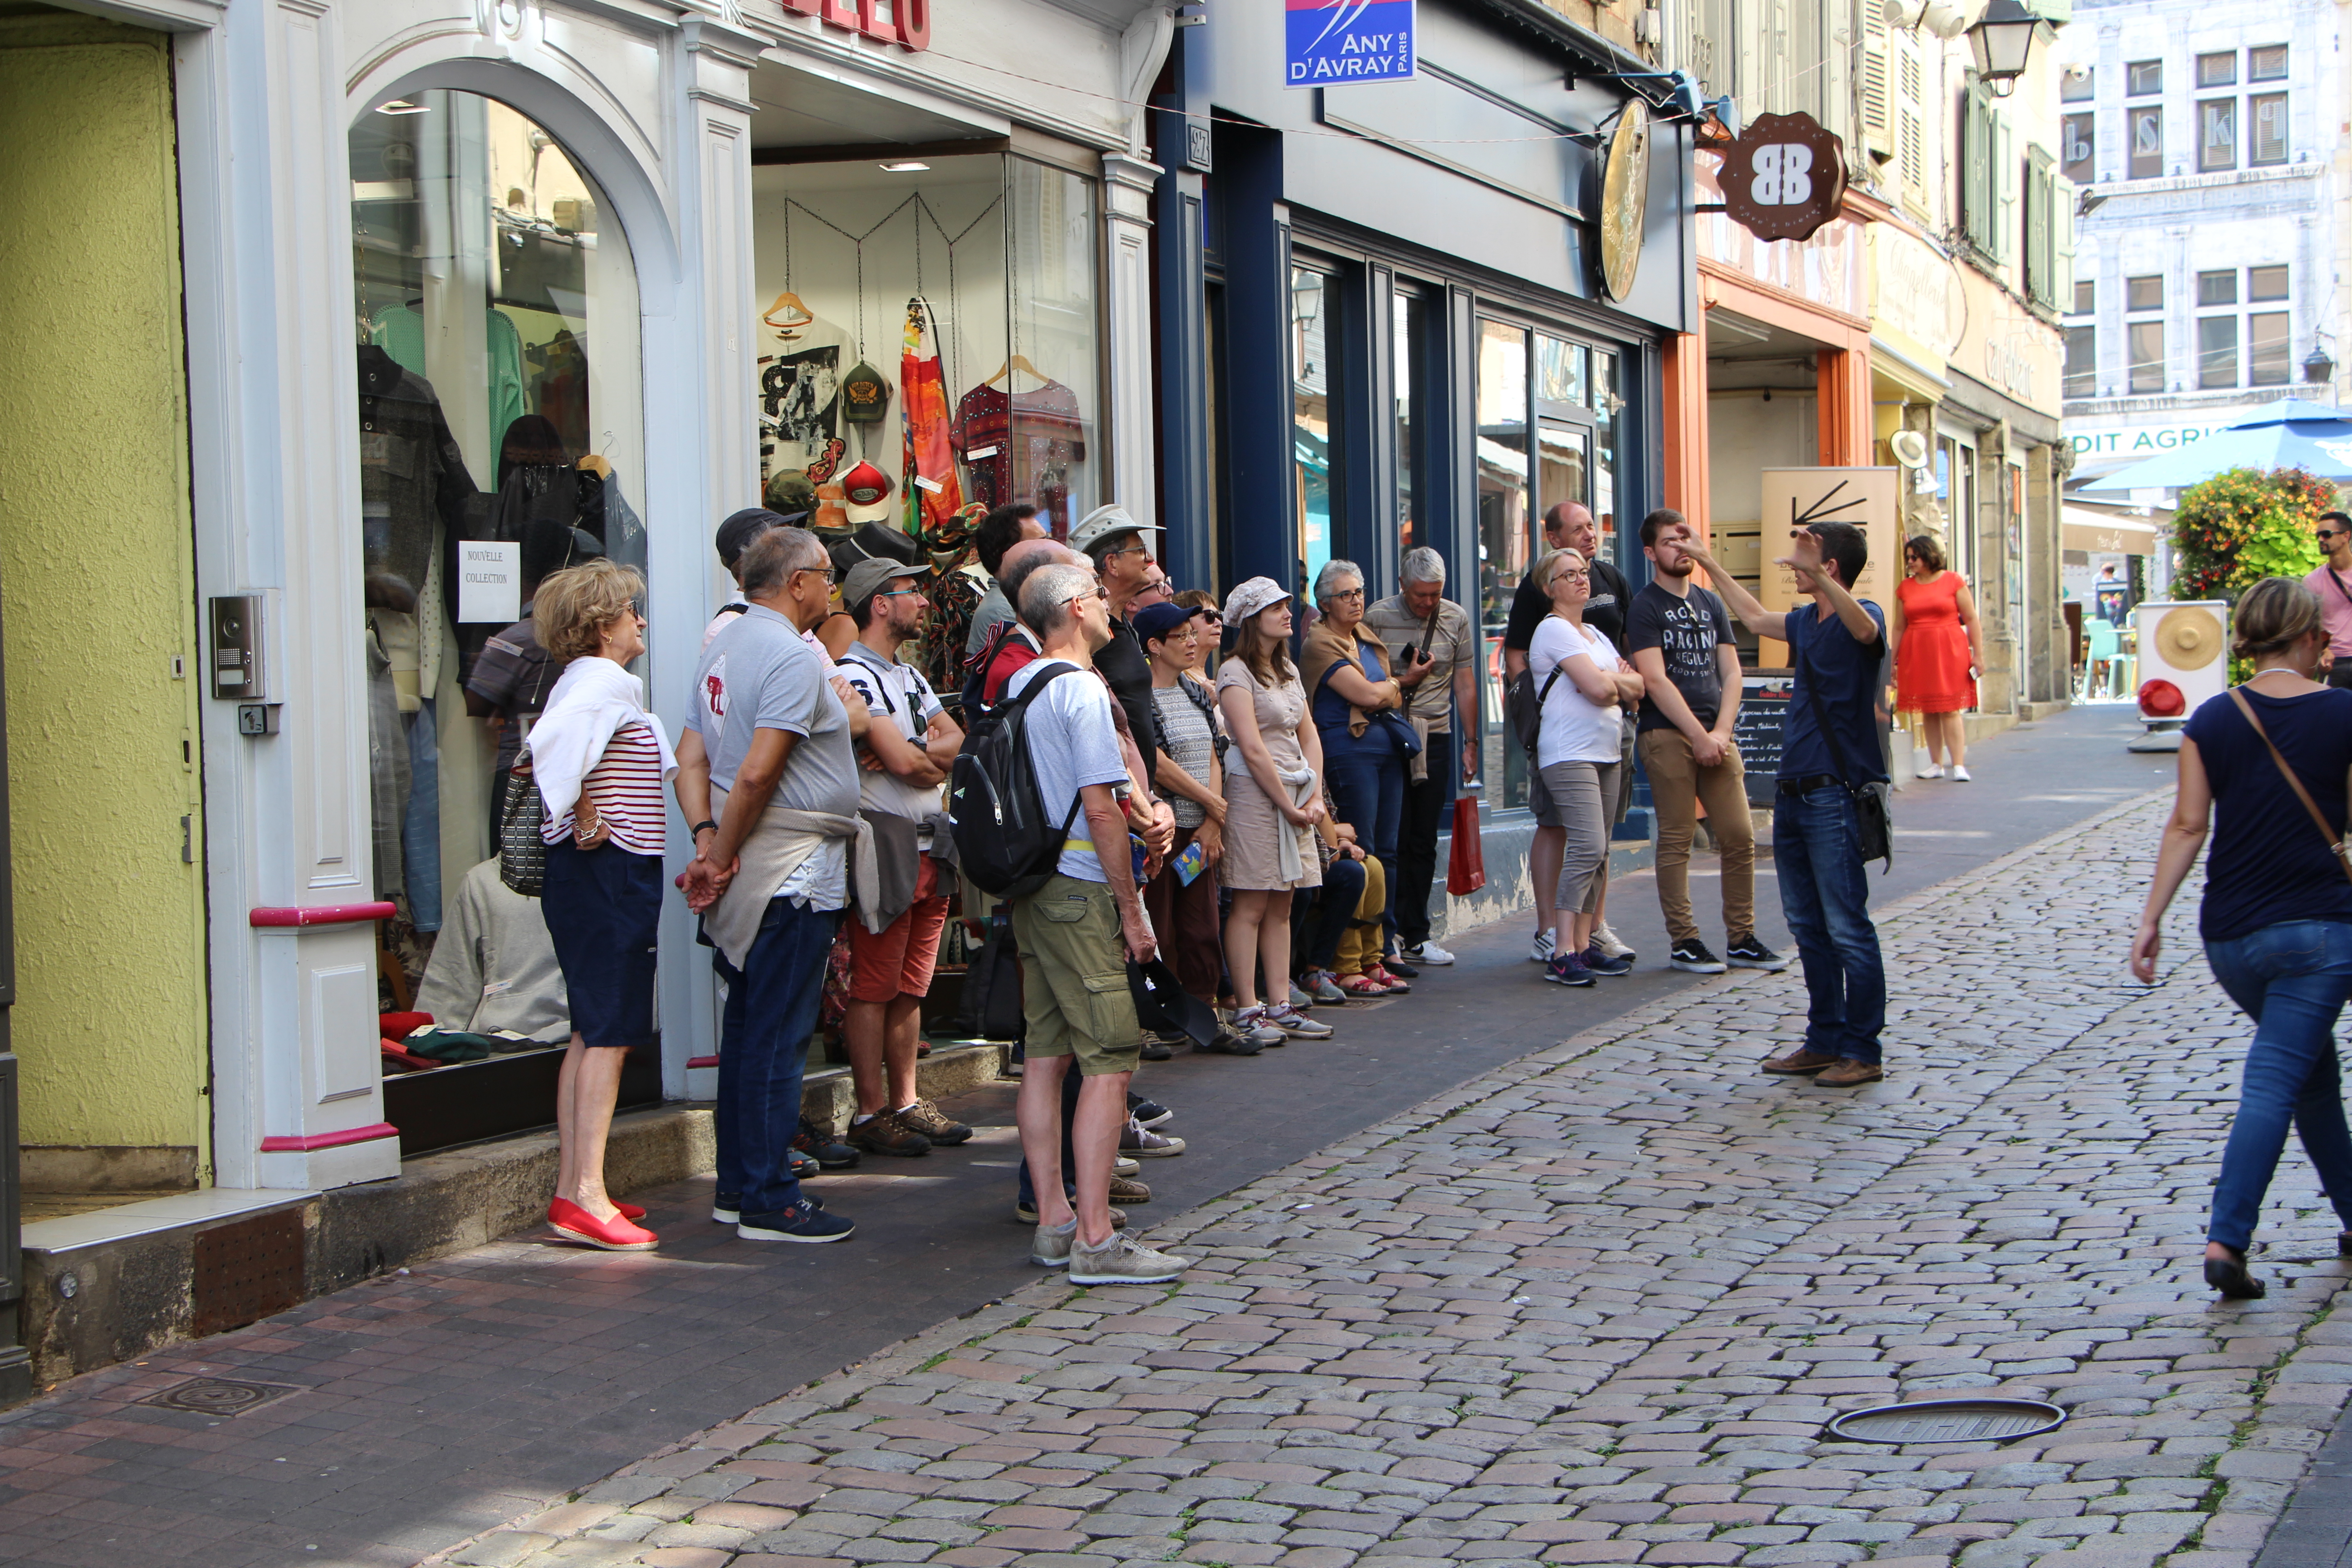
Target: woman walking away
column 1273, row 800
column 1936, row 654
column 1579, row 762
column 2266, row 765
column 601, row 761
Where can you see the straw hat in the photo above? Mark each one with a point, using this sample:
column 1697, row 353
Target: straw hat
column 2188, row 638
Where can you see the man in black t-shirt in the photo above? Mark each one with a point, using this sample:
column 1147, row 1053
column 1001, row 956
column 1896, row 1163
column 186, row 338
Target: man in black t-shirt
column 1679, row 636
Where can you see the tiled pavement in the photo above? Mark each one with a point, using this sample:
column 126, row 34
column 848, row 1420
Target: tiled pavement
column 1595, row 1306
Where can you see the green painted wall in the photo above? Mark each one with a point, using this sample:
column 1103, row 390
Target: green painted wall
column 99, row 588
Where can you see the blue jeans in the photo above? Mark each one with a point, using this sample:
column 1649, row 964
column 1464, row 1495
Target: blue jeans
column 420, row 827
column 1323, row 913
column 771, row 1006
column 1826, row 897
column 1368, row 786
column 2292, row 979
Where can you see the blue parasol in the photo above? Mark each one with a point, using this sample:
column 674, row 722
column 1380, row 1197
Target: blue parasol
column 2287, row 434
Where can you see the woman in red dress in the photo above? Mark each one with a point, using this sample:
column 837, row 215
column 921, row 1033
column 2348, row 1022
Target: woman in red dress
column 1937, row 652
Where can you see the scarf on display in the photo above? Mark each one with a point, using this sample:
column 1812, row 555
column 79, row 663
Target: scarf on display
column 594, row 698
column 934, row 494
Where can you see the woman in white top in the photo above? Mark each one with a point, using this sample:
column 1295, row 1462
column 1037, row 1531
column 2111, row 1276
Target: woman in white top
column 601, row 761
column 1577, row 759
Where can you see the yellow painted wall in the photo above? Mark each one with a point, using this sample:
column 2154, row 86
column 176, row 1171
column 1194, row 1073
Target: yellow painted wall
column 98, row 589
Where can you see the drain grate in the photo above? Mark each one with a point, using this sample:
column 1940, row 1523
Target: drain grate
column 219, row 1396
column 1948, row 1421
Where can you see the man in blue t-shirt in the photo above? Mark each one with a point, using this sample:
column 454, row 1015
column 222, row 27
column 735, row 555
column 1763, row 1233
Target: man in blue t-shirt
column 1837, row 646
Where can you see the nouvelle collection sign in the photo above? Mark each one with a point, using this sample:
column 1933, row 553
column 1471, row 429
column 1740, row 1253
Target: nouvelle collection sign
column 1329, row 43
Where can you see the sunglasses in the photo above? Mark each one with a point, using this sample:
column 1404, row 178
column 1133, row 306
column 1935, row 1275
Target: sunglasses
column 2327, row 533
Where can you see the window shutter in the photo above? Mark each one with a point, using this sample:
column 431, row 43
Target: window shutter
column 1877, row 70
column 2062, row 196
column 1977, row 177
column 2006, row 175
column 2040, row 232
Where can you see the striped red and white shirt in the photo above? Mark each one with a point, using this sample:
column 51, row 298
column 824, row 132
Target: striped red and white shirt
column 625, row 788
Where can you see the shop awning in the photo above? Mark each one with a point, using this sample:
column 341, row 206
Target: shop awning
column 2103, row 533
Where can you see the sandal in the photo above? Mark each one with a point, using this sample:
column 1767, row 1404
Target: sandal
column 1361, row 985
column 2229, row 1276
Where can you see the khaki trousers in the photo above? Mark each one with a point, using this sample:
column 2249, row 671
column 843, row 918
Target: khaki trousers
column 1678, row 784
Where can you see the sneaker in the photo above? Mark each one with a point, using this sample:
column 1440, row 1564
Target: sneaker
column 819, row 1144
column 1389, row 980
column 725, row 1208
column 1297, row 1024
column 884, row 1133
column 1399, row 967
column 1323, row 986
column 1932, row 771
column 1228, row 1044
column 804, row 1168
column 1122, row 1261
column 1299, row 998
column 1426, row 954
column 1567, row 969
column 1608, row 941
column 1960, row 774
column 1746, row 952
column 1798, row 1061
column 1257, row 1023
column 1154, row 1047
column 802, row 1222
column 1601, row 965
column 1123, row 1191
column 1148, row 1113
column 1539, row 950
column 1027, row 1214
column 1142, row 1143
column 1693, row 958
column 1120, row 1165
column 928, row 1121
column 1050, row 1248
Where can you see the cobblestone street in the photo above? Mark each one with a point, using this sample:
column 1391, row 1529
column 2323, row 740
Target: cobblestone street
column 1595, row 1306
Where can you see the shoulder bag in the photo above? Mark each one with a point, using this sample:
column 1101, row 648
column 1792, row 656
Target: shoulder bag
column 1874, row 810
column 522, row 852
column 2335, row 844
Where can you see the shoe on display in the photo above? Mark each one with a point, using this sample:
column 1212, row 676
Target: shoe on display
column 928, row 1121
column 1428, row 952
column 819, row 1144
column 1746, row 952
column 1959, row 773
column 1142, row 1143
column 1228, row 1044
column 1323, row 986
column 1567, row 969
column 1692, row 957
column 1601, row 965
column 1297, row 1025
column 1609, row 942
column 1257, row 1023
column 1123, row 1190
column 1539, row 950
column 804, row 1221
column 1122, row 1260
column 1147, row 1112
column 884, row 1133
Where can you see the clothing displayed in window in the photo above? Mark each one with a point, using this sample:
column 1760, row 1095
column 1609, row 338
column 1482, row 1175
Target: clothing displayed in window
column 494, row 966
column 412, row 476
column 399, row 331
column 559, row 390
column 1020, row 445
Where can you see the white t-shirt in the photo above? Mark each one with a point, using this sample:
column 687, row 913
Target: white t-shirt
column 1575, row 729
column 894, row 693
column 1073, row 742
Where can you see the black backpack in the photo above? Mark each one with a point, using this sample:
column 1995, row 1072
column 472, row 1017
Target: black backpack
column 1004, row 842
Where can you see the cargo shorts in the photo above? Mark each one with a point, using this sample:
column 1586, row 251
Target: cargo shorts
column 1074, row 989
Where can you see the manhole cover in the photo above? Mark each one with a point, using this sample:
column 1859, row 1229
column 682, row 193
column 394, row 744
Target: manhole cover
column 1948, row 1421
column 219, row 1396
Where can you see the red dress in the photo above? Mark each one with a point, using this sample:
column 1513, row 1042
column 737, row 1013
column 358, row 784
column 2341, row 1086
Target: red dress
column 1931, row 665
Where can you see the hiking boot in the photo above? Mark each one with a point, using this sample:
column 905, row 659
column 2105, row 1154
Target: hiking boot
column 1692, row 957
column 1142, row 1143
column 1746, row 952
column 819, row 1144
column 930, row 1121
column 1122, row 1260
column 884, row 1133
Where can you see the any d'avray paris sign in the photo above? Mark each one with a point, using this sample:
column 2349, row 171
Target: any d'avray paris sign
column 1329, row 43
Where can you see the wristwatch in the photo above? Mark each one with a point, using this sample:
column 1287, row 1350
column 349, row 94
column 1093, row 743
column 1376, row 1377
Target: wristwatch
column 696, row 831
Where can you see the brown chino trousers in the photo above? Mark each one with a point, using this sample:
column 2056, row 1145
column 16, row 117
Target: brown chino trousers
column 1185, row 921
column 1678, row 784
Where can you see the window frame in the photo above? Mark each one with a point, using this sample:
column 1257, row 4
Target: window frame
column 2136, row 165
column 2080, row 378
column 2257, row 350
column 2216, row 156
column 2135, row 363
column 2132, row 70
column 2257, row 103
column 2209, row 378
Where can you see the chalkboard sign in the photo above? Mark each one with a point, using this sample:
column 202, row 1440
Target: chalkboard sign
column 1763, row 704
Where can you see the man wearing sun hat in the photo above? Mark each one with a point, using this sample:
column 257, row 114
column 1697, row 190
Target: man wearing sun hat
column 1121, row 549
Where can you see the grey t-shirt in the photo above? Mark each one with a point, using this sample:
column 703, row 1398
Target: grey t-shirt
column 760, row 674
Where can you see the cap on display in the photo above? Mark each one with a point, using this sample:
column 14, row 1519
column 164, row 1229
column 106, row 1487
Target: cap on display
column 865, row 485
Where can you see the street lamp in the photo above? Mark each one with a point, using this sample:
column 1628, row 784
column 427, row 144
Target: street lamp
column 2317, row 368
column 2001, row 40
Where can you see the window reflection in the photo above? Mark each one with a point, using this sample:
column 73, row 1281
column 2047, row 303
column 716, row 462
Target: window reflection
column 1408, row 327
column 1312, row 300
column 1505, row 531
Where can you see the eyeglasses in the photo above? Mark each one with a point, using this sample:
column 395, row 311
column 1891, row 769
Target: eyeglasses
column 1094, row 593
column 1138, row 549
column 1572, row 575
column 900, row 594
column 828, row 573
column 1346, row 593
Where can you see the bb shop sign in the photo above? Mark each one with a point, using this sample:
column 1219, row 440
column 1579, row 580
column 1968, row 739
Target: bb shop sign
column 1332, row 42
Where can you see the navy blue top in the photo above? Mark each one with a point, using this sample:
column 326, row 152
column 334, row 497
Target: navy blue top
column 1380, row 738
column 1849, row 677
column 2267, row 863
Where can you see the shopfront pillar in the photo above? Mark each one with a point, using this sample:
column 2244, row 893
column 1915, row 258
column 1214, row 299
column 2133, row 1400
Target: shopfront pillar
column 1128, row 186
column 1844, row 379
column 1683, row 425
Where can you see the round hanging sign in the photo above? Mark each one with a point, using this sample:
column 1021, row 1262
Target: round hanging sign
column 1948, row 1421
column 1624, row 191
column 1785, row 177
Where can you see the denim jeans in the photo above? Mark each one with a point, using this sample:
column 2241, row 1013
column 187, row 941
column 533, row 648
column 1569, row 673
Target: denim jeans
column 771, row 1006
column 1826, row 898
column 420, row 826
column 1319, row 916
column 2292, row 979
column 1368, row 786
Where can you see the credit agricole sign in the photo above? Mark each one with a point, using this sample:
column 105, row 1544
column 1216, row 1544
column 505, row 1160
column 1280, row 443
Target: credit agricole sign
column 2136, row 441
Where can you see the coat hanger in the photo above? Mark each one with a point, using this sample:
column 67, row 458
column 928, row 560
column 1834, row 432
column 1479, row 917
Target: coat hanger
column 787, row 330
column 596, row 463
column 1018, row 362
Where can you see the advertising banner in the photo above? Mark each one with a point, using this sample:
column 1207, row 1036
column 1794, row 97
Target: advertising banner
column 1329, row 43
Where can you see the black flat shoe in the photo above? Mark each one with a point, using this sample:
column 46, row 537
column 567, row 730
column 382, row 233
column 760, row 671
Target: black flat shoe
column 2344, row 1244
column 2229, row 1277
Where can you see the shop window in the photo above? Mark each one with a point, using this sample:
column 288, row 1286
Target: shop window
column 1409, row 326
column 1563, row 373
column 501, row 439
column 2144, row 127
column 2217, row 70
column 2082, row 362
column 2079, row 84
column 2077, row 142
column 2266, row 133
column 2217, row 134
column 2266, row 64
column 2145, row 342
column 2144, row 293
column 1607, row 472
column 2217, row 351
column 2266, row 349
column 2266, row 283
column 1314, row 302
column 1505, row 527
column 2086, row 295
column 2217, row 287
column 2143, row 77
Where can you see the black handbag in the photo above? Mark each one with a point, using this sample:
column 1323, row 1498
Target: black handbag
column 1874, row 804
column 522, row 852
column 992, row 987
